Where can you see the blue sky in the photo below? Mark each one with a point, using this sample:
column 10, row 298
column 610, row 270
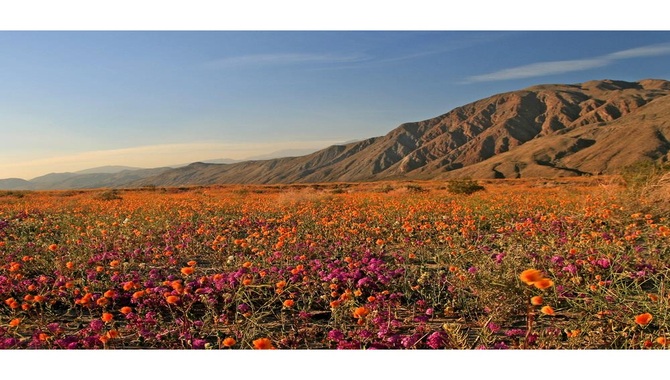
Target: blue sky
column 71, row 100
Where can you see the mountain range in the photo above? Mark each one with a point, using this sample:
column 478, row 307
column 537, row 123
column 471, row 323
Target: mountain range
column 590, row 128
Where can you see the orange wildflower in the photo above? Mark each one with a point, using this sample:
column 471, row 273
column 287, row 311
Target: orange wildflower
column 126, row 309
column 191, row 263
column 662, row 341
column 14, row 322
column 104, row 339
column 653, row 297
column 112, row 334
column 247, row 281
column 139, row 294
column 335, row 304
column 361, row 312
column 69, row 265
column 110, row 294
column 172, row 299
column 643, row 319
column 288, row 303
column 107, row 317
column 536, row 301
column 530, row 276
column 548, row 310
column 247, row 264
column 102, row 302
column 39, row 298
column 543, row 283
column 128, row 285
column 53, row 247
column 229, row 342
column 187, row 270
column 573, row 333
column 42, row 337
column 114, row 263
column 263, row 344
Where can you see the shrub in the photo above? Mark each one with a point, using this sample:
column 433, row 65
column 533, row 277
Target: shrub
column 464, row 186
column 109, row 195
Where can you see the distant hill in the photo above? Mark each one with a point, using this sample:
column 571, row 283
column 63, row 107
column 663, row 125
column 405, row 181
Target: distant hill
column 81, row 180
column 15, row 184
column 541, row 131
column 106, row 169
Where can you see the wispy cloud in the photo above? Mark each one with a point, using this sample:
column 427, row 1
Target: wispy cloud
column 560, row 67
column 285, row 59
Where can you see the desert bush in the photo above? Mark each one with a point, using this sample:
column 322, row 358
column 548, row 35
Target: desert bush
column 109, row 195
column 464, row 186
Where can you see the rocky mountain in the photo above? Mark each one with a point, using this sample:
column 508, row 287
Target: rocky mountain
column 547, row 130
column 596, row 127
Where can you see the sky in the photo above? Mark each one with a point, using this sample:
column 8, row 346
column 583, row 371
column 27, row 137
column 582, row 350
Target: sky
column 77, row 99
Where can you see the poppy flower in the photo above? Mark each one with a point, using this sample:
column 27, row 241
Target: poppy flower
column 110, row 294
column 229, row 342
column 263, row 344
column 536, row 301
column 187, row 271
column 548, row 310
column 289, row 303
column 126, row 310
column 530, row 276
column 361, row 312
column 172, row 299
column 14, row 322
column 643, row 319
column 102, row 301
column 107, row 317
column 139, row 294
column 543, row 283
column 53, row 247
column 191, row 263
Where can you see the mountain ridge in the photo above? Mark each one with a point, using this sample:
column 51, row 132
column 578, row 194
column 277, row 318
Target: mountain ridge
column 546, row 130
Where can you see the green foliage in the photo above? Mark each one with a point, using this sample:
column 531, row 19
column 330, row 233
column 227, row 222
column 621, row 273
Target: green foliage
column 109, row 195
column 642, row 173
column 464, row 186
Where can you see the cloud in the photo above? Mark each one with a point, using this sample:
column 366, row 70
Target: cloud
column 540, row 69
column 644, row 51
column 560, row 67
column 150, row 156
column 284, row 59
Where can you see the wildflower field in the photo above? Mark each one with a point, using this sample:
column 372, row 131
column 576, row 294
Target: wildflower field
column 541, row 264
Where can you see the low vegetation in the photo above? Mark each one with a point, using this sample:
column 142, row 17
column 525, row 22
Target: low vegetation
column 519, row 266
